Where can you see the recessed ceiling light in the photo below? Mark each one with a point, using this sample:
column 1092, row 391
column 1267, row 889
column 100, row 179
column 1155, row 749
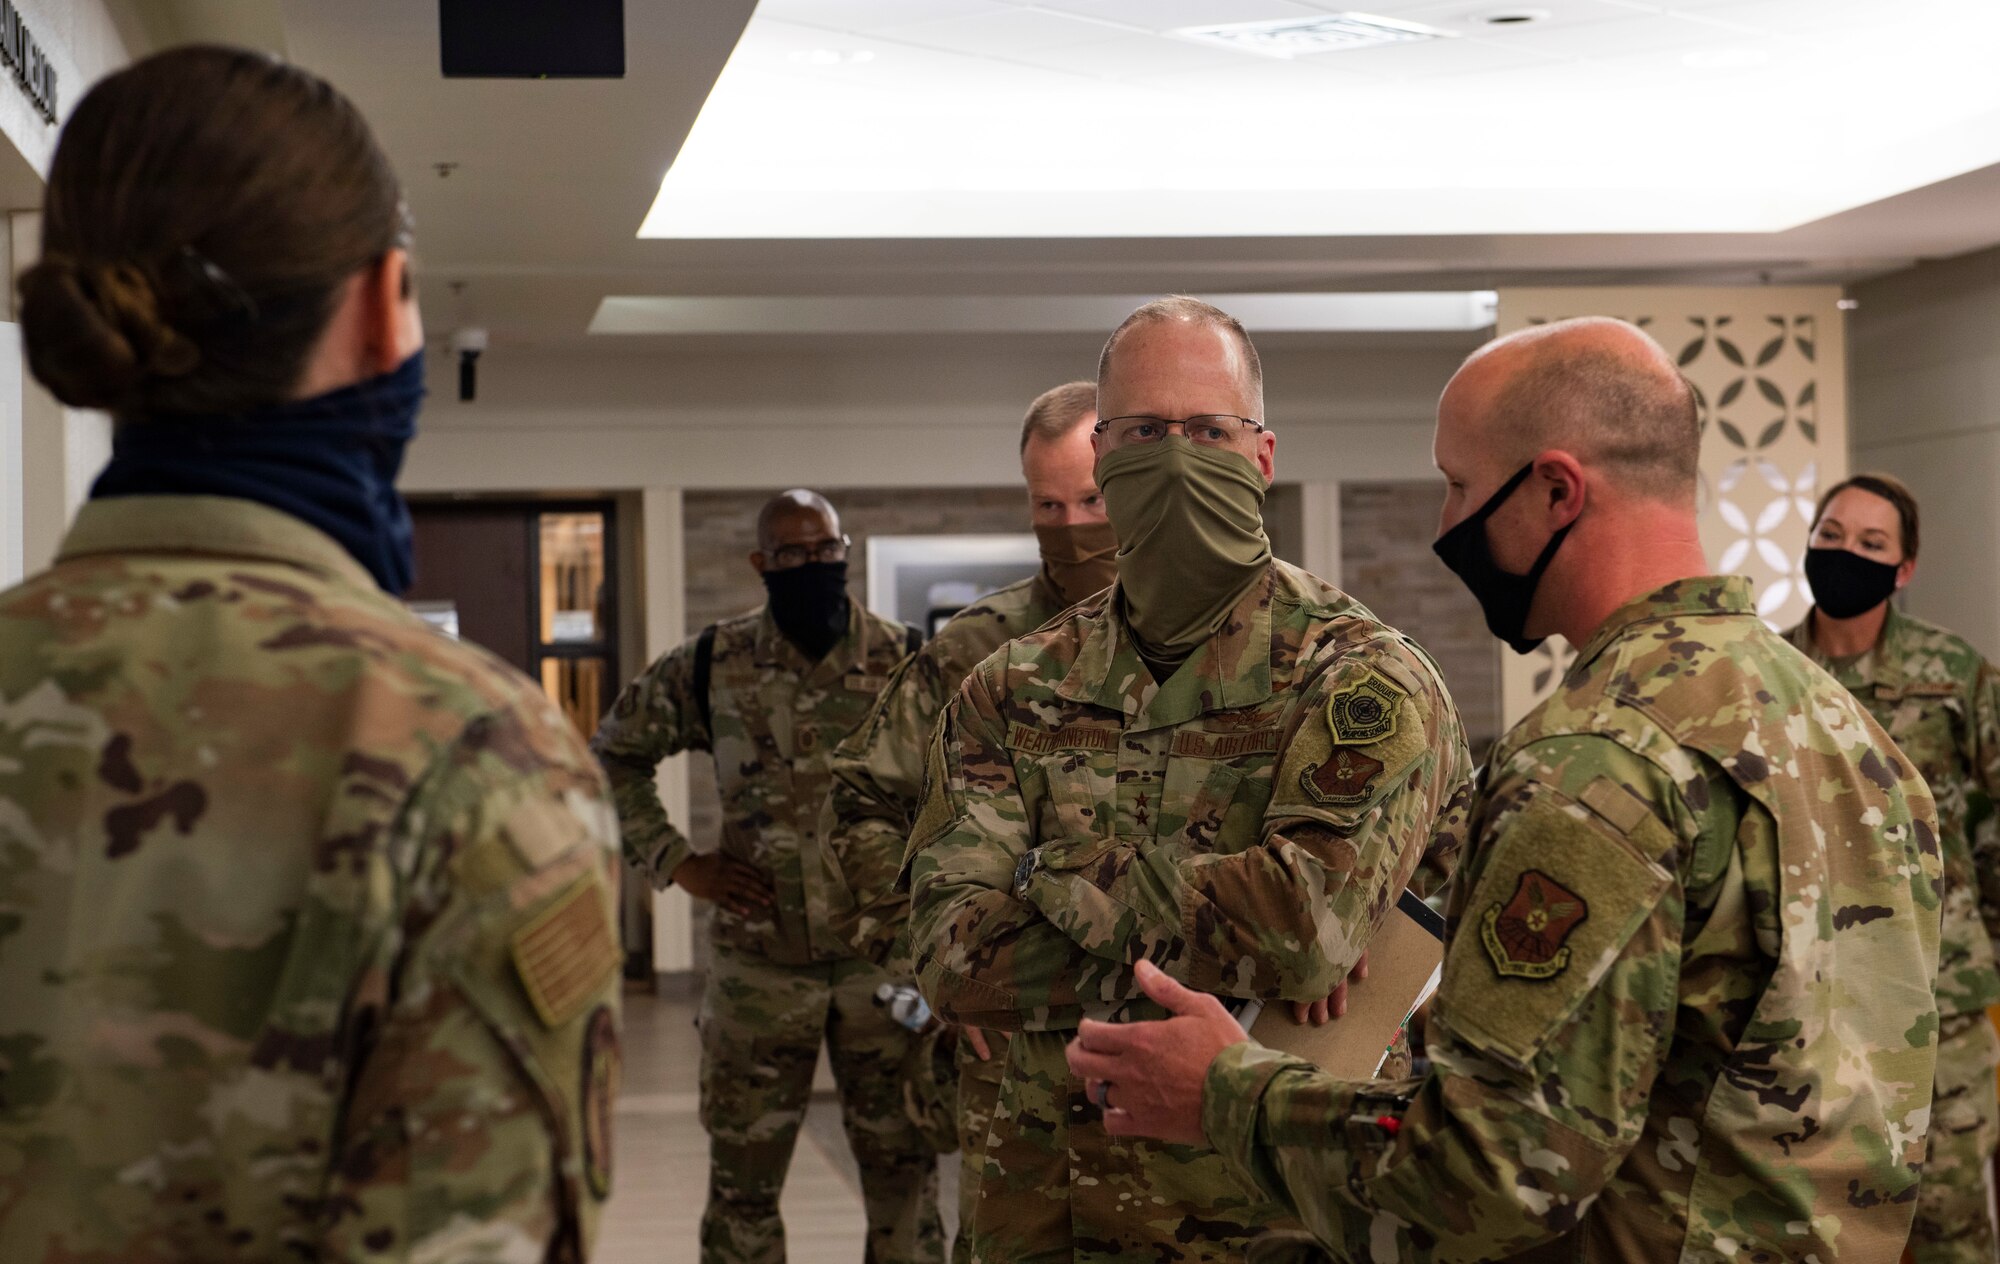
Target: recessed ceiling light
column 830, row 56
column 1305, row 37
column 1725, row 59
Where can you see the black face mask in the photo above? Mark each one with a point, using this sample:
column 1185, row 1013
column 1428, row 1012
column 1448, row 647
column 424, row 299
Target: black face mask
column 1846, row 584
column 1503, row 596
column 809, row 605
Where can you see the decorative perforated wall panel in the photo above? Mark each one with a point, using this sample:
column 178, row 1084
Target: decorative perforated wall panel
column 1770, row 366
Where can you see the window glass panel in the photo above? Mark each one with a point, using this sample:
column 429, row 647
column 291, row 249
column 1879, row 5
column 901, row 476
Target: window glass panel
column 577, row 686
column 572, row 579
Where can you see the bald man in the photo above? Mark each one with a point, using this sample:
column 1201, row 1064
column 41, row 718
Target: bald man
column 1686, row 1012
column 771, row 693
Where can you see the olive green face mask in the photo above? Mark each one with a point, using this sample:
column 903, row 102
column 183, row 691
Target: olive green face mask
column 1190, row 539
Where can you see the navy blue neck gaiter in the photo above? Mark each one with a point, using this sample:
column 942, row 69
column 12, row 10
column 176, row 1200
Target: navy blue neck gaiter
column 330, row 461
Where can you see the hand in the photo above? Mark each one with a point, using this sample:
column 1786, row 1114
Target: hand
column 977, row 1039
column 1154, row 1071
column 1319, row 1013
column 738, row 887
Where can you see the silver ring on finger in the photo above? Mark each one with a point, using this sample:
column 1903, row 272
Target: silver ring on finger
column 1101, row 1094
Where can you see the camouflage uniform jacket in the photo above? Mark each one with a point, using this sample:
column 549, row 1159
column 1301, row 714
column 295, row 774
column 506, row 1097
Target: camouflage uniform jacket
column 1686, row 1010
column 306, row 914
column 1941, row 702
column 878, row 772
column 1245, row 824
column 774, row 721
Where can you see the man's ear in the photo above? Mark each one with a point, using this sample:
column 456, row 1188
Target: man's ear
column 757, row 562
column 1562, row 474
column 1267, row 456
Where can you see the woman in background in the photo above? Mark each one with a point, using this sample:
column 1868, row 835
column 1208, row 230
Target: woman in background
column 1940, row 700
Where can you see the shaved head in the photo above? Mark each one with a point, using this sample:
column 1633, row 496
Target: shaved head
column 1596, row 387
column 796, row 512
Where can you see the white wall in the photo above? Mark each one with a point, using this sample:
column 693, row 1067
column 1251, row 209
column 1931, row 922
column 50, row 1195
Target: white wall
column 947, row 412
column 83, row 44
column 51, row 452
column 1925, row 371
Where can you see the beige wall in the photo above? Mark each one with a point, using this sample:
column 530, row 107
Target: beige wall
column 859, row 415
column 1925, row 368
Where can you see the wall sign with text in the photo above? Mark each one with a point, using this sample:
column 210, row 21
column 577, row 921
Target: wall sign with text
column 31, row 66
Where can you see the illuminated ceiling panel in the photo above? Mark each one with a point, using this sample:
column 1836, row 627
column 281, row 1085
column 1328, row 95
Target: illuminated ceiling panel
column 1114, row 118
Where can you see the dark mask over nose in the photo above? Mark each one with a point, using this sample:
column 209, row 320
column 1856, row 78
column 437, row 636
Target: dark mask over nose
column 1846, row 584
column 809, row 605
column 1503, row 596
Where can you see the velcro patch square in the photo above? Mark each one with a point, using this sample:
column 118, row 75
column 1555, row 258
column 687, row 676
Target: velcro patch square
column 568, row 953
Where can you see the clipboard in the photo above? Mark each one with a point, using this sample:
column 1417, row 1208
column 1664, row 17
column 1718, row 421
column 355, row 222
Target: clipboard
column 1405, row 965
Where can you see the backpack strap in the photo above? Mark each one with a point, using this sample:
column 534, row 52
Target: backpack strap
column 704, row 666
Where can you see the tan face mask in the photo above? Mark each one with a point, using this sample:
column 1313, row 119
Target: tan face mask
column 1191, row 539
column 1079, row 558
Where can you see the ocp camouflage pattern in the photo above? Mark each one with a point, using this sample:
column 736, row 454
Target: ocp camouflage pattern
column 1738, row 870
column 775, row 720
column 878, row 772
column 1940, row 699
column 1079, row 817
column 306, row 915
column 878, row 778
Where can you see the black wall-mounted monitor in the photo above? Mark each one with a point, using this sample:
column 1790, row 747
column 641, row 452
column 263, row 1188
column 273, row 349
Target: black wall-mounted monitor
column 532, row 39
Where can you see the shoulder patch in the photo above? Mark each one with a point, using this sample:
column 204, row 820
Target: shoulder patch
column 1525, row 936
column 1364, row 711
column 601, row 1066
column 1342, row 779
column 567, row 954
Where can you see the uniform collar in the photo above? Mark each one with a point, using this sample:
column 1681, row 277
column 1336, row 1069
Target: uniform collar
column 1881, row 665
column 849, row 653
column 1233, row 669
column 1697, row 596
column 214, row 526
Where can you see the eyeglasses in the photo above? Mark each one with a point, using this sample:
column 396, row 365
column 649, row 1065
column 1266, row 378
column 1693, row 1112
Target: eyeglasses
column 1210, row 430
column 799, row 554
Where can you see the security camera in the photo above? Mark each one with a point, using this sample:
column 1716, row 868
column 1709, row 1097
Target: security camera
column 469, row 344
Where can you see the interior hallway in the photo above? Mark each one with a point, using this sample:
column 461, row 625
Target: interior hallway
column 661, row 1177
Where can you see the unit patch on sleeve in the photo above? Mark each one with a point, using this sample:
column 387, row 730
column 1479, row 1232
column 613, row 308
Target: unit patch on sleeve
column 600, row 1091
column 1364, row 711
column 1343, row 778
column 1525, row 937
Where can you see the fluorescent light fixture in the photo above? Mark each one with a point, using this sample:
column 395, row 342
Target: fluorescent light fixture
column 1427, row 137
column 1404, row 312
column 1725, row 59
column 1305, row 37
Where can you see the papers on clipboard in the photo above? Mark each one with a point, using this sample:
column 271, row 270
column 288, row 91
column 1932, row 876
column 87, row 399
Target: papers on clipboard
column 1405, row 964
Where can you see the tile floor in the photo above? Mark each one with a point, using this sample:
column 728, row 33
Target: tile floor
column 662, row 1157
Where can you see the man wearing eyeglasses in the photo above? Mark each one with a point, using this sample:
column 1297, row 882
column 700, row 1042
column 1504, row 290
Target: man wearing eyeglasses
column 770, row 694
column 1224, row 766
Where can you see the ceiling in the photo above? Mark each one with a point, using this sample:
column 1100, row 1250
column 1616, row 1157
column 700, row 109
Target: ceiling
column 529, row 195
column 1104, row 118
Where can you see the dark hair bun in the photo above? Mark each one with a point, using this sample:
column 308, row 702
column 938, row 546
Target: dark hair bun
column 94, row 334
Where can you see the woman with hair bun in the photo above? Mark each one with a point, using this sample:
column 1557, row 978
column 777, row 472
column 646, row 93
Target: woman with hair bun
column 306, row 911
